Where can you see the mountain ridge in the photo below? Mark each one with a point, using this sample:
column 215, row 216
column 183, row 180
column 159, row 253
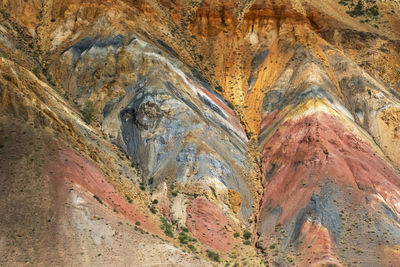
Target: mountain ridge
column 210, row 132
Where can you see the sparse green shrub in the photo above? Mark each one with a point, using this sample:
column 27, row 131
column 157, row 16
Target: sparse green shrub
column 142, row 187
column 218, row 88
column 236, row 235
column 183, row 238
column 151, row 180
column 174, row 194
column 128, row 199
column 374, row 11
column 167, row 227
column 359, row 6
column 213, row 255
column 246, row 235
column 169, row 232
column 155, row 201
column 246, row 242
column 153, row 210
column 192, row 248
column 358, row 10
column 137, row 223
column 88, row 112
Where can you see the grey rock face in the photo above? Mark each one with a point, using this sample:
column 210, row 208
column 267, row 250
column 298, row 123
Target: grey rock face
column 166, row 120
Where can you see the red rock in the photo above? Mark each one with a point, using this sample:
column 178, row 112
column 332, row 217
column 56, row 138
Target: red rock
column 206, row 222
column 299, row 160
column 72, row 167
column 316, row 147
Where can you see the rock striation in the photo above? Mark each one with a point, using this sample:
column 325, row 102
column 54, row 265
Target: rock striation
column 200, row 133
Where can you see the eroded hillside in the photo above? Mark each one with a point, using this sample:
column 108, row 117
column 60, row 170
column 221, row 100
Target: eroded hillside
column 200, row 133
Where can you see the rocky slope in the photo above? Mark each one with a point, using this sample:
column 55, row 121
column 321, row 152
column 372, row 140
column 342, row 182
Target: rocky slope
column 200, row 133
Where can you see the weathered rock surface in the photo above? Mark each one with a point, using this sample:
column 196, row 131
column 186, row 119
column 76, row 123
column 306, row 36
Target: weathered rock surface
column 132, row 132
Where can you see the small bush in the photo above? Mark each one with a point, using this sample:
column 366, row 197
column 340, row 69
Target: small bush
column 155, row 201
column 246, row 242
column 183, row 238
column 358, row 10
column 192, row 248
column 128, row 199
column 246, row 235
column 213, row 255
column 151, row 180
column 153, row 210
column 174, row 194
column 167, row 227
column 374, row 11
column 137, row 223
column 236, row 235
column 88, row 112
column 142, row 188
column 168, row 232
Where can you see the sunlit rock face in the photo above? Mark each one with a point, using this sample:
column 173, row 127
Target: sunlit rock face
column 210, row 132
column 169, row 122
